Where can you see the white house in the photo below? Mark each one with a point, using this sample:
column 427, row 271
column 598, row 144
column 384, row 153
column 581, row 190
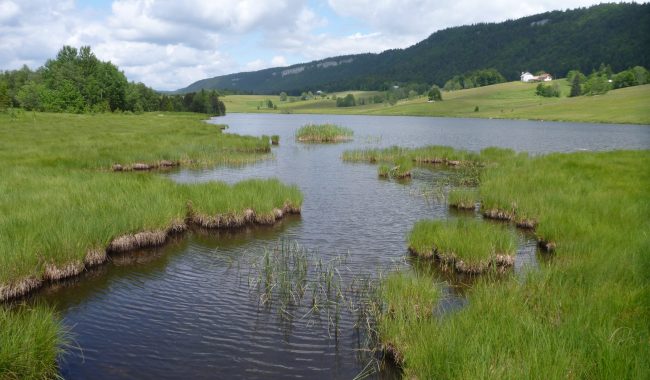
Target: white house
column 528, row 77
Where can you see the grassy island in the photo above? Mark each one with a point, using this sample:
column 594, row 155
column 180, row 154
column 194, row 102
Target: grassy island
column 326, row 133
column 468, row 246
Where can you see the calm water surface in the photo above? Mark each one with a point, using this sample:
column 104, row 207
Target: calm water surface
column 186, row 310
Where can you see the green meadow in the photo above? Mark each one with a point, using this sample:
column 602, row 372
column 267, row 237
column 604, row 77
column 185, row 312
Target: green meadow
column 512, row 100
column 581, row 314
column 63, row 206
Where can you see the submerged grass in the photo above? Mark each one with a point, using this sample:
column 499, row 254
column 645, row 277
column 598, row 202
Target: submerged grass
column 323, row 133
column 31, row 340
column 584, row 314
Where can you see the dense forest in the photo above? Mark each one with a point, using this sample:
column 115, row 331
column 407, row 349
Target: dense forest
column 556, row 42
column 76, row 81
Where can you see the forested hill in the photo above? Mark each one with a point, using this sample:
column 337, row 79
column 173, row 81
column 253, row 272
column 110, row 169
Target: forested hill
column 556, row 42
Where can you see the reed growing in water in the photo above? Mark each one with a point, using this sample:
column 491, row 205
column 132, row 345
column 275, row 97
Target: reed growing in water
column 323, row 133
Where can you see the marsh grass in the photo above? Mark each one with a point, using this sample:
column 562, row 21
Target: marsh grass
column 62, row 206
column 463, row 198
column 63, row 209
column 582, row 315
column 275, row 140
column 31, row 340
column 326, row 133
column 401, row 169
column 467, row 245
column 406, row 298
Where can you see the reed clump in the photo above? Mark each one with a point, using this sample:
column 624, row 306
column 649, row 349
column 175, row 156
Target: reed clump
column 275, row 140
column 401, row 169
column 31, row 341
column 468, row 246
column 326, row 133
column 463, row 198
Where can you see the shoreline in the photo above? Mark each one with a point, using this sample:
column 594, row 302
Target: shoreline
column 603, row 122
column 139, row 240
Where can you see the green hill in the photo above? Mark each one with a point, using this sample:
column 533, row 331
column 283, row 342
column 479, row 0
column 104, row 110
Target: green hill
column 512, row 100
column 557, row 41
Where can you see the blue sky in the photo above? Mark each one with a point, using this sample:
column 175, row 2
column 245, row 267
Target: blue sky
column 169, row 44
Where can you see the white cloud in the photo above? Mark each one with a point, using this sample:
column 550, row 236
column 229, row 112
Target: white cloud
column 169, row 44
column 279, row 60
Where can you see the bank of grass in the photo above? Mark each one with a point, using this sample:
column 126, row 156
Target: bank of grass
column 54, row 140
column 582, row 315
column 323, row 133
column 427, row 154
column 512, row 100
column 30, row 341
column 59, row 202
column 407, row 298
column 62, row 207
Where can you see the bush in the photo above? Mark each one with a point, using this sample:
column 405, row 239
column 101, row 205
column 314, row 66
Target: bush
column 434, row 93
column 347, row 101
column 548, row 91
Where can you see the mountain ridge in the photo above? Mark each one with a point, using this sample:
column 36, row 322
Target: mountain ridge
column 555, row 41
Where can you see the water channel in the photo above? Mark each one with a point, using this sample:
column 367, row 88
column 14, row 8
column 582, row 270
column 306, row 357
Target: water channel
column 186, row 310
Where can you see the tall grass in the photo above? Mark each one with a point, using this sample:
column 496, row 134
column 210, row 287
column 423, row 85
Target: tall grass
column 62, row 208
column 582, row 315
column 31, row 339
column 463, row 198
column 323, row 133
column 407, row 298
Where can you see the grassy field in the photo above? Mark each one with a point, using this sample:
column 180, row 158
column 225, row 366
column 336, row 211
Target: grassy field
column 512, row 100
column 62, row 207
column 583, row 314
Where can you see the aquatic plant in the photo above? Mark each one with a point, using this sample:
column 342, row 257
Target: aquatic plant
column 323, row 133
column 275, row 139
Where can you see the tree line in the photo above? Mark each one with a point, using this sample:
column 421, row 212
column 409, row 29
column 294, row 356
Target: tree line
column 76, row 81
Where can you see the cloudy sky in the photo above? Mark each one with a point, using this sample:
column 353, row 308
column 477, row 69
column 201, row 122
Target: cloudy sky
column 170, row 44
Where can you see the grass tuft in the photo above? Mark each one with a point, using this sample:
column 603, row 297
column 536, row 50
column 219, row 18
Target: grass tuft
column 323, row 133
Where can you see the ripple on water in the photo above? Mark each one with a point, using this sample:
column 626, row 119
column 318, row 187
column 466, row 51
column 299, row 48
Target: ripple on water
column 186, row 310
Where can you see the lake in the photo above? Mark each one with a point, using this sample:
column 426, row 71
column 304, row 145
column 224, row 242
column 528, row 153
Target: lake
column 187, row 310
